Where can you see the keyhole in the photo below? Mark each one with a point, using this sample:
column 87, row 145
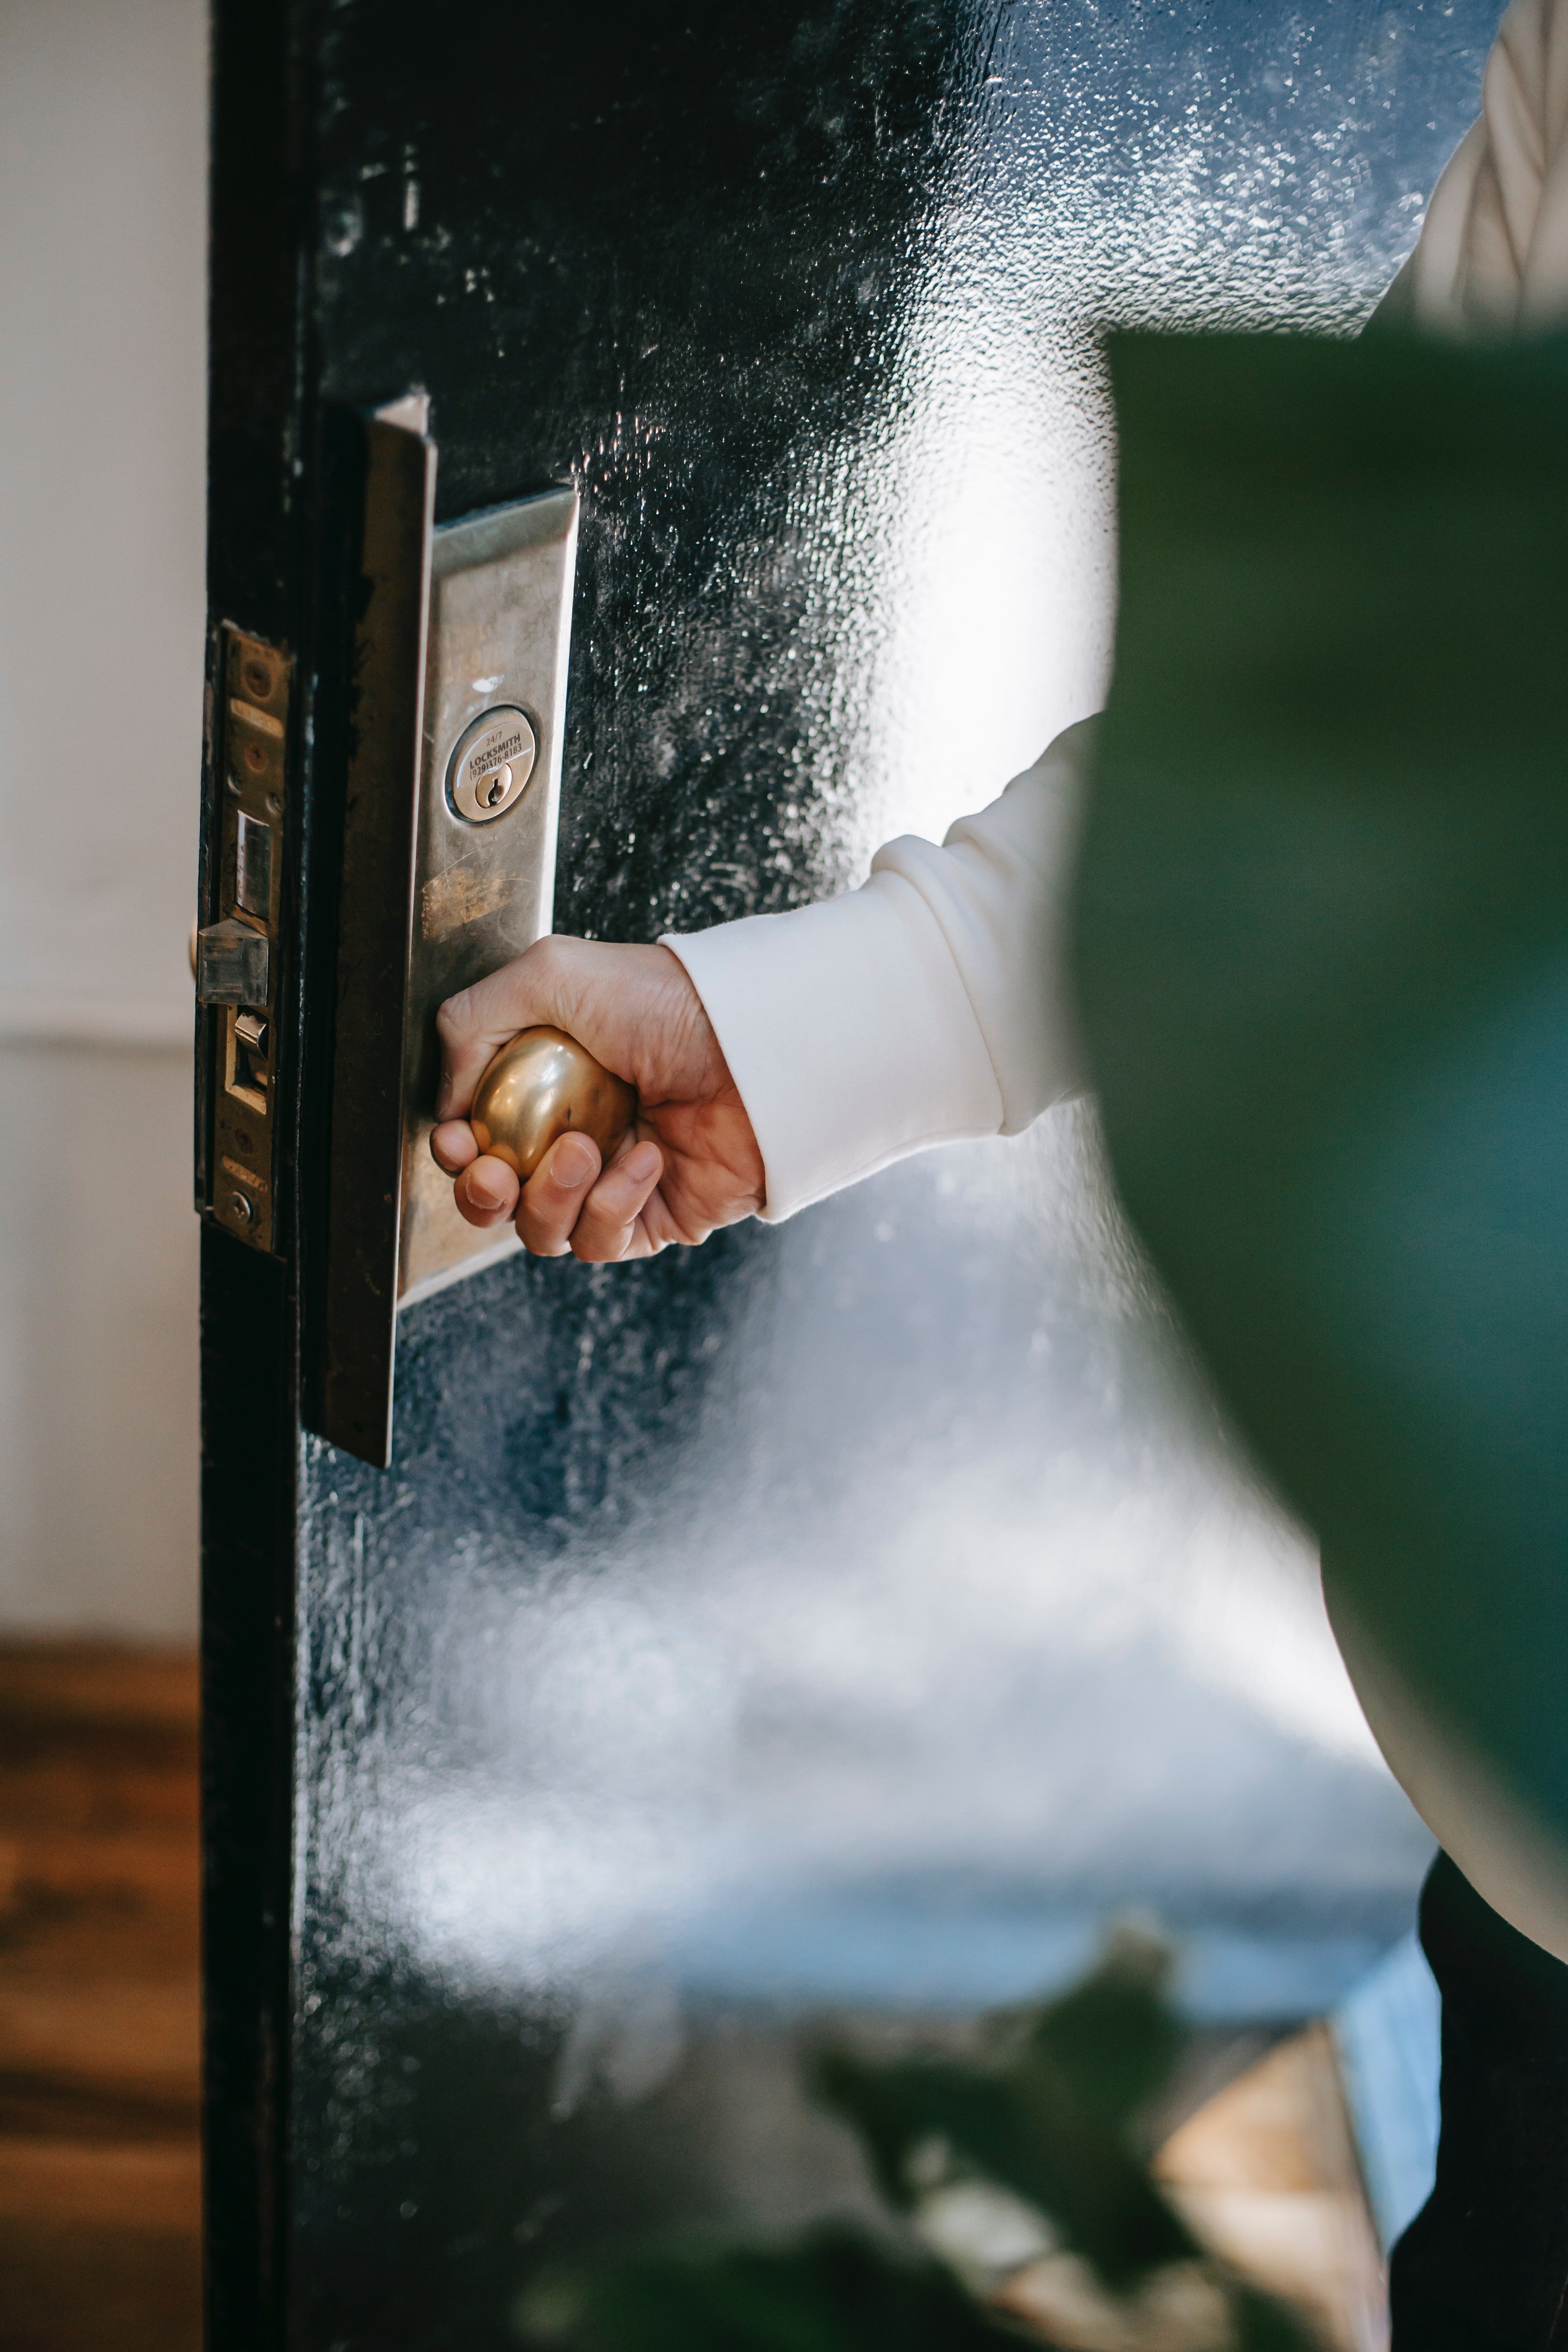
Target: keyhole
column 497, row 788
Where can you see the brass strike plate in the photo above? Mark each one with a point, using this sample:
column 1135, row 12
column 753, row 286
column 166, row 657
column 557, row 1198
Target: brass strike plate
column 238, row 948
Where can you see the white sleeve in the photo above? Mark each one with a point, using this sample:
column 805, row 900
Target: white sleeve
column 1493, row 249
column 928, row 1005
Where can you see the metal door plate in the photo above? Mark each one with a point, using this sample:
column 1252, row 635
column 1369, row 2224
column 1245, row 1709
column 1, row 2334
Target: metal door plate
column 459, row 670
column 500, row 617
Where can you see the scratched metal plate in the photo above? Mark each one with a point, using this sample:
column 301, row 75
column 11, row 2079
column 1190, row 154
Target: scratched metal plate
column 500, row 621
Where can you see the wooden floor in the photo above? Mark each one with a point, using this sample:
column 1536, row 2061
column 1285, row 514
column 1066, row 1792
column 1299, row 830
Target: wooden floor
column 100, row 2186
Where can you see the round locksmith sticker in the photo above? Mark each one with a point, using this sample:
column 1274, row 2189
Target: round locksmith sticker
column 490, row 764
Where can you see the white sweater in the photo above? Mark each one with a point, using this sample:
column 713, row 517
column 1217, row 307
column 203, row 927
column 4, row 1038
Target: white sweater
column 935, row 997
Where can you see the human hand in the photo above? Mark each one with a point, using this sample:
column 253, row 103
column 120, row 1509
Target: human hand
column 690, row 1162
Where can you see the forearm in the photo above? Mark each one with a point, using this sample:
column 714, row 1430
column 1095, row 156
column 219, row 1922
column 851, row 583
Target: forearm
column 927, row 1007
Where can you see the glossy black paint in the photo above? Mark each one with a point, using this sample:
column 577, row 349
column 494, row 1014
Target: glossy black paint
column 689, row 257
column 257, row 572
column 692, row 256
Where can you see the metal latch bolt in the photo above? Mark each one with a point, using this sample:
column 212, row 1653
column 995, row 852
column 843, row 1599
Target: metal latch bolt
column 232, row 963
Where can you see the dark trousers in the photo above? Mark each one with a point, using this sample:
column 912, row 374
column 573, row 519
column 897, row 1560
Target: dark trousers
column 1484, row 2266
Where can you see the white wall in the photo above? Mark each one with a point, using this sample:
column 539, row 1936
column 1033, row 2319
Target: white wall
column 102, row 164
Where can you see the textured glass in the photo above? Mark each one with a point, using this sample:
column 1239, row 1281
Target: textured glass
column 857, row 1613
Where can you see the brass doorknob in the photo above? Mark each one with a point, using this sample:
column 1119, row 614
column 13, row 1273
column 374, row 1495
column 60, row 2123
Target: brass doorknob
column 540, row 1085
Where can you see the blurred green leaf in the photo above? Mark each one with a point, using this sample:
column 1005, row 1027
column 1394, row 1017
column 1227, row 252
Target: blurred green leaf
column 1048, row 2112
column 1114, row 2039
column 1026, row 2131
column 1261, row 2324
column 1322, row 964
column 833, row 2291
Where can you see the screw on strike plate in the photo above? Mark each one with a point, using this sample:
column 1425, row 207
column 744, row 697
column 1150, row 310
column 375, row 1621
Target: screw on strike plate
column 256, row 678
column 240, row 1210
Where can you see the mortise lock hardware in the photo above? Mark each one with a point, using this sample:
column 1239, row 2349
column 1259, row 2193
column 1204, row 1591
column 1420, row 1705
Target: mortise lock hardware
column 456, row 687
column 236, row 953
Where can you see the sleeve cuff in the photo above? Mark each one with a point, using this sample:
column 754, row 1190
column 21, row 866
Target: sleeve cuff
column 849, row 1034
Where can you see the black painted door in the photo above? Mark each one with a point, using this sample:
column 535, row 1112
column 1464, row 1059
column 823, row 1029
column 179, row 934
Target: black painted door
column 843, row 1617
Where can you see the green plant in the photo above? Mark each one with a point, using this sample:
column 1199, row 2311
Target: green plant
column 1026, row 2200
column 1020, row 2175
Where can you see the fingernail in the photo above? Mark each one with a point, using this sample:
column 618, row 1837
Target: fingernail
column 483, row 1193
column 643, row 1163
column 573, row 1162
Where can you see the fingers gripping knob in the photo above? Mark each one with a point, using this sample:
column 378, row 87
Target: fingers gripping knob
column 537, row 1088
